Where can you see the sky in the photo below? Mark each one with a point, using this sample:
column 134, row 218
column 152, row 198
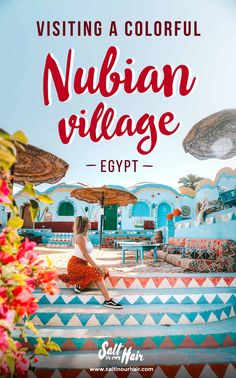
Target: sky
column 211, row 57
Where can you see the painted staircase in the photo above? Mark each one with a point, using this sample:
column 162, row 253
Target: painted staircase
column 58, row 239
column 182, row 326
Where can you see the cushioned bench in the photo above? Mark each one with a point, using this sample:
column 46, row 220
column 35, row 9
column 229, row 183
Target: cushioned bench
column 109, row 240
column 200, row 255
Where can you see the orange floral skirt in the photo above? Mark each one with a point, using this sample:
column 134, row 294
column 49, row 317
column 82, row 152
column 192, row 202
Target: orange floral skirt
column 79, row 272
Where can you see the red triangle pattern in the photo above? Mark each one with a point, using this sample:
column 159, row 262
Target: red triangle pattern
column 157, row 281
column 148, row 344
column 89, row 345
column 43, row 373
column 229, row 280
column 130, row 343
column 72, row 373
column 167, row 343
column 143, row 281
column 228, row 342
column 188, row 343
column 111, row 343
column 219, row 369
column 209, row 342
column 215, row 280
column 186, row 281
column 68, row 345
column 195, row 370
column 114, row 280
column 96, row 374
column 128, row 281
column 172, row 281
column 200, row 280
column 170, row 371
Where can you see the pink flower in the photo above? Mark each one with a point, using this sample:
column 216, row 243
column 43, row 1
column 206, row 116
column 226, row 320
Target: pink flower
column 6, row 314
column 4, row 188
column 51, row 289
column 6, row 229
column 4, row 192
column 22, row 365
column 23, row 302
column 3, row 293
column 5, row 258
column 17, row 344
column 46, row 276
column 3, row 240
column 3, row 340
column 22, row 294
column 30, row 281
column 31, row 306
column 27, row 245
column 4, row 370
column 27, row 258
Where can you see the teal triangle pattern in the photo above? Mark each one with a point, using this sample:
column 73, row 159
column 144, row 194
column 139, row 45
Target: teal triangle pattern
column 158, row 340
column 177, row 339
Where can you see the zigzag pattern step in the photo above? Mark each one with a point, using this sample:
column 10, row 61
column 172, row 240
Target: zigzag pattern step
column 156, row 357
column 163, row 281
column 215, row 335
column 149, row 296
column 188, row 371
column 93, row 316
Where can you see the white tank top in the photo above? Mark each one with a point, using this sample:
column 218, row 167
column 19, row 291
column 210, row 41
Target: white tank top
column 77, row 251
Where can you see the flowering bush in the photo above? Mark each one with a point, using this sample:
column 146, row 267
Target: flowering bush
column 21, row 272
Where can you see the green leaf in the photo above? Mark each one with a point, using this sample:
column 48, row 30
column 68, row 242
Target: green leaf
column 8, row 144
column 49, row 262
column 5, row 165
column 4, row 134
column 10, row 360
column 7, row 156
column 53, row 346
column 30, row 325
column 19, row 136
column 45, row 199
column 40, row 340
column 15, row 222
column 40, row 350
column 34, row 208
column 29, row 188
column 11, row 344
column 23, row 335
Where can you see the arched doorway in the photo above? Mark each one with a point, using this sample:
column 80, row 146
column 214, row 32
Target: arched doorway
column 26, row 216
column 163, row 209
column 66, row 208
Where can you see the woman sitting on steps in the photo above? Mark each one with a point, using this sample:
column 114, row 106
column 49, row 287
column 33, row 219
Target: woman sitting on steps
column 81, row 268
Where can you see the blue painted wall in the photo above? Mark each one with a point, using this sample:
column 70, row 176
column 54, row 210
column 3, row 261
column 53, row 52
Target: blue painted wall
column 223, row 226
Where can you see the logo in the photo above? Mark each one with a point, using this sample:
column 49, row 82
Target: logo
column 119, row 353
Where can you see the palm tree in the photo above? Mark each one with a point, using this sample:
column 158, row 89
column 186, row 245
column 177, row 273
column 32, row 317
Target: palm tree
column 191, row 180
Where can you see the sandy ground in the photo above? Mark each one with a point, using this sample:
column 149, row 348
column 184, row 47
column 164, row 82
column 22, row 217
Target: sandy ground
column 112, row 260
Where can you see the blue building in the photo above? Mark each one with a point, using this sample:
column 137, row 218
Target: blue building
column 155, row 201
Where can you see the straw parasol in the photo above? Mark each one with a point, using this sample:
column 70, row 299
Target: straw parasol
column 105, row 195
column 37, row 166
column 213, row 136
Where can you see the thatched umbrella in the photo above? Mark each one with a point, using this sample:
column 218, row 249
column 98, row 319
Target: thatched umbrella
column 213, row 137
column 37, row 166
column 105, row 196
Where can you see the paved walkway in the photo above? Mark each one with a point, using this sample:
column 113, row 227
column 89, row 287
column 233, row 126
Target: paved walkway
column 112, row 260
